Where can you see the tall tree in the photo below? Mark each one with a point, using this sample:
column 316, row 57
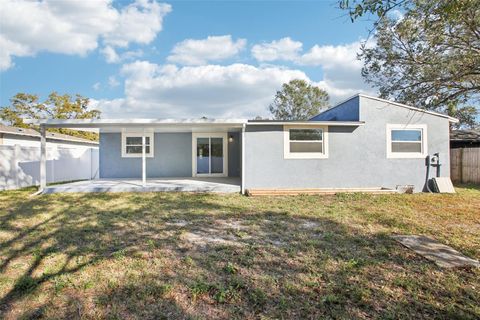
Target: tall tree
column 298, row 100
column 429, row 57
column 27, row 106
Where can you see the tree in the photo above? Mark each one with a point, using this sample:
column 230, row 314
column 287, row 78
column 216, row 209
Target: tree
column 298, row 100
column 428, row 58
column 28, row 106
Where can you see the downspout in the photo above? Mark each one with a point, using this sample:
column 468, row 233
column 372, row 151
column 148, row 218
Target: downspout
column 427, row 177
column 243, row 159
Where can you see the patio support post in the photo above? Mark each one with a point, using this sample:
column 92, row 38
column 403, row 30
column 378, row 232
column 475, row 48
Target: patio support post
column 243, row 160
column 43, row 158
column 144, row 161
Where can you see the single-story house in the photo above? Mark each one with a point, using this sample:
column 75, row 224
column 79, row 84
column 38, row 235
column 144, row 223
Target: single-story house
column 362, row 142
column 464, row 139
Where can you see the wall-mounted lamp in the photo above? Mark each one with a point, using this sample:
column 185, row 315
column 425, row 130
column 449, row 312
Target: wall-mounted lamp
column 230, row 138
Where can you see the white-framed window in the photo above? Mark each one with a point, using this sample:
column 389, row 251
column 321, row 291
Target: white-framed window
column 305, row 142
column 132, row 144
column 406, row 141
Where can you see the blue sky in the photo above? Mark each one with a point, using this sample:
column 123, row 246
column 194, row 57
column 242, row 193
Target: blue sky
column 180, row 58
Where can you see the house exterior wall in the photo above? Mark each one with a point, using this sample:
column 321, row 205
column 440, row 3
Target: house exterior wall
column 357, row 155
column 172, row 157
column 234, row 155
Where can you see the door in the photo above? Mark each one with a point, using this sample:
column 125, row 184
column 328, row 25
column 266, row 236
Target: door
column 209, row 154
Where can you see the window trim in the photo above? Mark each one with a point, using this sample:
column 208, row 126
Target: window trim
column 407, row 155
column 137, row 134
column 304, row 155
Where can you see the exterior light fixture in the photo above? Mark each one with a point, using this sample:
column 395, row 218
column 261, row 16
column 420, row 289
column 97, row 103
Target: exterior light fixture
column 230, row 138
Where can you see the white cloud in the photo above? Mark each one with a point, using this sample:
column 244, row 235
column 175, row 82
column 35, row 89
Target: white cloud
column 329, row 57
column 113, row 82
column 168, row 91
column 74, row 27
column 283, row 49
column 138, row 22
column 339, row 63
column 213, row 48
column 111, row 55
column 96, row 86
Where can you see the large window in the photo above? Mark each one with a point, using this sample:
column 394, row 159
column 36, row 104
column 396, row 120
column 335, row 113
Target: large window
column 406, row 141
column 305, row 142
column 132, row 144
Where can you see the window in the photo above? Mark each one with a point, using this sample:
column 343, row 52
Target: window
column 406, row 141
column 132, row 145
column 305, row 143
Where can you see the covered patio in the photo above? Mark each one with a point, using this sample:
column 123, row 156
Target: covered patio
column 210, row 184
column 147, row 155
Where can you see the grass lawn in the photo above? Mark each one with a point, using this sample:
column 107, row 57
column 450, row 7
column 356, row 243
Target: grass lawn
column 205, row 256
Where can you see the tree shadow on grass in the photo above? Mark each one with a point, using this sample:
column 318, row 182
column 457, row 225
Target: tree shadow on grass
column 193, row 255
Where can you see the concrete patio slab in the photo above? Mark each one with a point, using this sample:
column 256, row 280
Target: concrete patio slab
column 219, row 185
column 443, row 255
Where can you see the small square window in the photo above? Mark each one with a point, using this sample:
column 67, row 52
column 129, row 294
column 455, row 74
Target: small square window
column 132, row 145
column 305, row 143
column 406, row 141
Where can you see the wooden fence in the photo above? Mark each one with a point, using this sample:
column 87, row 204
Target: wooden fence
column 465, row 165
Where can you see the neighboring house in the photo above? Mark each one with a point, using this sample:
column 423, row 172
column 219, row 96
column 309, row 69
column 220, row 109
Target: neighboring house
column 10, row 136
column 464, row 139
column 363, row 142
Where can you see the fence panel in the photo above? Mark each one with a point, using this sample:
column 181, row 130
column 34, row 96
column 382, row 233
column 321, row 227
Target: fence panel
column 465, row 165
column 20, row 165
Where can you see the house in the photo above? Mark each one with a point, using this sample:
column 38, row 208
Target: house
column 363, row 142
column 464, row 139
column 10, row 136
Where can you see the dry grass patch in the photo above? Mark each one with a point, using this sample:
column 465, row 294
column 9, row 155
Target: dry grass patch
column 199, row 256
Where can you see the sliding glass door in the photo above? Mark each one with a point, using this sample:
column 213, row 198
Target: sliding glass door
column 210, row 157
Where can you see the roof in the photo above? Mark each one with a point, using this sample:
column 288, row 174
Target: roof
column 50, row 135
column 99, row 123
column 451, row 119
column 465, row 135
column 307, row 122
column 180, row 123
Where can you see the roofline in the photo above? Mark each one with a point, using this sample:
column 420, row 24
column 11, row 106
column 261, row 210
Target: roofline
column 451, row 119
column 25, row 134
column 308, row 123
column 98, row 123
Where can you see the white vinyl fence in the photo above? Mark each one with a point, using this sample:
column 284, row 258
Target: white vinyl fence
column 20, row 165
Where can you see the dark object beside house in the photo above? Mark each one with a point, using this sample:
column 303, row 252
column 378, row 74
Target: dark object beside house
column 464, row 139
column 465, row 156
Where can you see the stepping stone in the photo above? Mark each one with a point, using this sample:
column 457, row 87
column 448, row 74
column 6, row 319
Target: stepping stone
column 443, row 255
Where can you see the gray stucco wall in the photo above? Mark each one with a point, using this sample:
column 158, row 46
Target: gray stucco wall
column 172, row 157
column 234, row 155
column 357, row 155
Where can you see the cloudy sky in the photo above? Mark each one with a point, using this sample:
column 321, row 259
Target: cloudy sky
column 146, row 58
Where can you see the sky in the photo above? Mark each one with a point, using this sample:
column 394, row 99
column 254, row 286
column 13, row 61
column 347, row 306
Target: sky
column 178, row 59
